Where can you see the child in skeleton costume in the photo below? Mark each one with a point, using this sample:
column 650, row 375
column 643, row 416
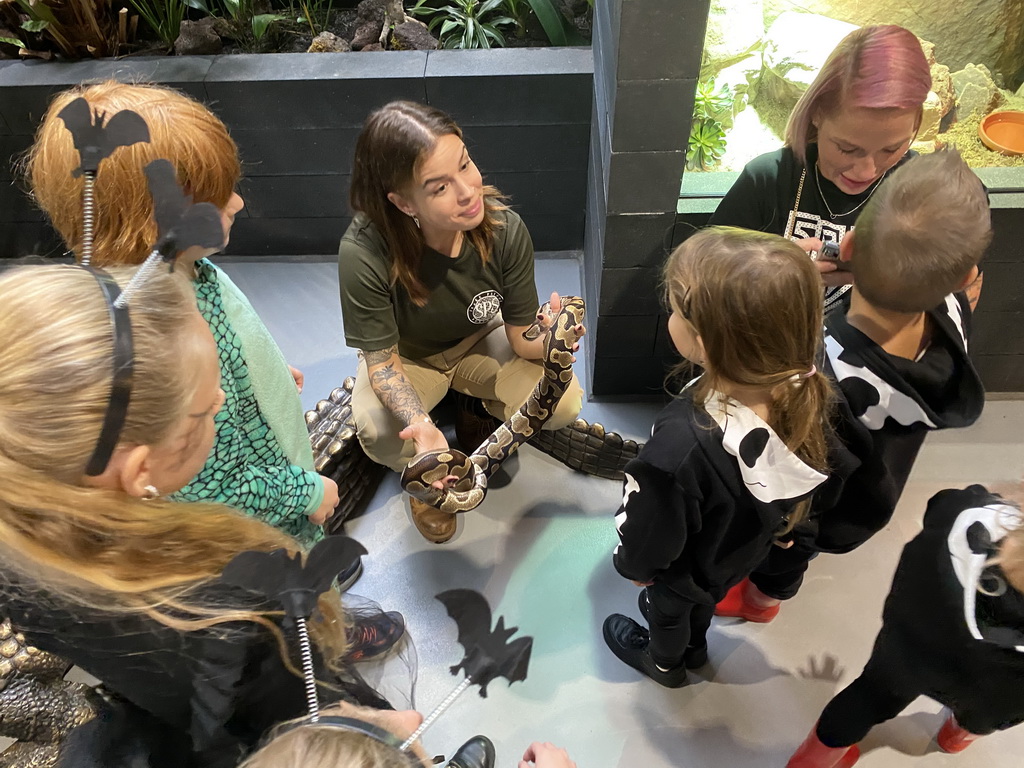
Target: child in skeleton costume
column 899, row 356
column 851, row 128
column 733, row 461
column 262, row 463
column 952, row 630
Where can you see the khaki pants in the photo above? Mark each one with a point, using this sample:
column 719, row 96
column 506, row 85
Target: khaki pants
column 482, row 366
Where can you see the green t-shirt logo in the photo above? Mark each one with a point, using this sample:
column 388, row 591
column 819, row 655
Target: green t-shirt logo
column 483, row 307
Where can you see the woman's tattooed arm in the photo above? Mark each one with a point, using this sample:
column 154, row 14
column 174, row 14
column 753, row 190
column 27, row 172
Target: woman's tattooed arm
column 392, row 387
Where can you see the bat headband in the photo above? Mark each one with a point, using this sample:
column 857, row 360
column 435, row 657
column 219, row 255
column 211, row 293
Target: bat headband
column 180, row 225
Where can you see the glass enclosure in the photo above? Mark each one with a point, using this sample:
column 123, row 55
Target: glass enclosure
column 760, row 55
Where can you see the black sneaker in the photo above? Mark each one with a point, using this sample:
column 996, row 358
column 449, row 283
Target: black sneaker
column 478, row 752
column 628, row 641
column 372, row 636
column 350, row 575
column 695, row 656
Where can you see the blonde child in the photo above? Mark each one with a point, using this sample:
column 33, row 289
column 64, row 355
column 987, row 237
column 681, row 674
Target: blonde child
column 261, row 462
column 733, row 461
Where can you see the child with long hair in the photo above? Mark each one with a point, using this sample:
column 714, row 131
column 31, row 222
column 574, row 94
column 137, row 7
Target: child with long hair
column 952, row 630
column 97, row 568
column 733, row 461
column 899, row 355
column 262, row 462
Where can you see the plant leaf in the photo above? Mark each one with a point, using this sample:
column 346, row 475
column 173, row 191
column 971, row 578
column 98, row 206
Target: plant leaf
column 200, row 5
column 34, row 25
column 12, row 41
column 262, row 21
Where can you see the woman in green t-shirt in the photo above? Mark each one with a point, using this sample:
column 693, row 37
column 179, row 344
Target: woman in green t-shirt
column 437, row 288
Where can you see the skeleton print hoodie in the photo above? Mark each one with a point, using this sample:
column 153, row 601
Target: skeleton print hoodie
column 952, row 622
column 892, row 404
column 706, row 496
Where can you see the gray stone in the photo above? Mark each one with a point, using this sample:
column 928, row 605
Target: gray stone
column 328, row 42
column 975, row 90
column 372, row 47
column 366, row 34
column 197, row 38
column 795, row 49
column 371, row 11
column 735, row 30
column 413, row 36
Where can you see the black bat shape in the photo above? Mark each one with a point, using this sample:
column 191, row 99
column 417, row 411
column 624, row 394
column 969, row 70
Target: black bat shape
column 488, row 653
column 94, row 140
column 179, row 223
column 283, row 577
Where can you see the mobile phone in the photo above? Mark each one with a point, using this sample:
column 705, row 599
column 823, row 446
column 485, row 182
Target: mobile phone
column 830, row 252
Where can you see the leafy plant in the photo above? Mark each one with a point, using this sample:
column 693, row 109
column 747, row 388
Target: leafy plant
column 245, row 24
column 557, row 28
column 465, row 23
column 707, row 134
column 72, row 28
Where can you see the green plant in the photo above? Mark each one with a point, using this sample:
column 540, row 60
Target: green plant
column 557, row 28
column 164, row 16
column 465, row 23
column 707, row 134
column 72, row 28
column 247, row 27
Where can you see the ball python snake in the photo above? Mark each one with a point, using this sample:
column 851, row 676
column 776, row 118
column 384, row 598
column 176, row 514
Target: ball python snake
column 473, row 471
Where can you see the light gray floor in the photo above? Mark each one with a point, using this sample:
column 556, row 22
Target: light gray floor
column 540, row 547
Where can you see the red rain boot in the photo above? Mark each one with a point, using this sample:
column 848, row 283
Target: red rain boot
column 952, row 737
column 813, row 754
column 739, row 602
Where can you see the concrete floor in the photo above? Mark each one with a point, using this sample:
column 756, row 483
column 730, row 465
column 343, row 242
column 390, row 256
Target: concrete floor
column 540, row 549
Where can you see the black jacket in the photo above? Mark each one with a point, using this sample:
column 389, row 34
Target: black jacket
column 940, row 631
column 178, row 699
column 891, row 404
column 705, row 498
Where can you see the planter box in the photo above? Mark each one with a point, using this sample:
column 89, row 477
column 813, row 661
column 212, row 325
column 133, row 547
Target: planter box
column 525, row 112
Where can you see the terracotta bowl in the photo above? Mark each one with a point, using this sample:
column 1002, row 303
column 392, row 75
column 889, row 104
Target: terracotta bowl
column 1003, row 132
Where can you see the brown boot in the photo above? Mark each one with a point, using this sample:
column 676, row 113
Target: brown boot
column 434, row 525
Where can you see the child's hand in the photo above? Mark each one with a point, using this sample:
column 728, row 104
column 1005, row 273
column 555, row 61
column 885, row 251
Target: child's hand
column 297, row 375
column 326, row 509
column 545, row 755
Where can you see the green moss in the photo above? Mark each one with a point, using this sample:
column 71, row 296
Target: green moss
column 963, row 135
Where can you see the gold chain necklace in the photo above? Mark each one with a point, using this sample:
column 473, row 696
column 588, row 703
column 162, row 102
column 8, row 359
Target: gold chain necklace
column 834, row 216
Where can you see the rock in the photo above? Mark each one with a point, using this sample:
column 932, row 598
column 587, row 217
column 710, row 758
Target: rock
column 413, row 36
column 373, row 47
column 942, row 86
column 924, row 147
column 742, row 79
column 750, row 136
column 371, row 11
column 931, row 117
column 975, row 91
column 988, row 31
column 796, row 46
column 366, row 34
column 735, row 31
column 328, row 42
column 197, row 38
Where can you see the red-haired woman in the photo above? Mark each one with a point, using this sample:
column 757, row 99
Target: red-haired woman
column 437, row 287
column 851, row 128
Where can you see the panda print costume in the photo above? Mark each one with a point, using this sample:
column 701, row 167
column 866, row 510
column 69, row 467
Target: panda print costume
column 952, row 627
column 702, row 505
column 888, row 406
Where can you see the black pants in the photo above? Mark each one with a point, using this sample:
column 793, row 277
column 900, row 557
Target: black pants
column 781, row 573
column 676, row 623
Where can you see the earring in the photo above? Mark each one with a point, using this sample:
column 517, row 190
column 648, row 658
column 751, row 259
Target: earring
column 150, row 492
column 415, row 220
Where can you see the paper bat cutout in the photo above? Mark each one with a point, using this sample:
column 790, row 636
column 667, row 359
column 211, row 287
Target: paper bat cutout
column 180, row 224
column 283, row 577
column 488, row 653
column 94, row 140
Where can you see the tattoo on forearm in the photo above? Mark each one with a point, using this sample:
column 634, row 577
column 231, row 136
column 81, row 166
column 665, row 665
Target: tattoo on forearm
column 378, row 356
column 395, row 391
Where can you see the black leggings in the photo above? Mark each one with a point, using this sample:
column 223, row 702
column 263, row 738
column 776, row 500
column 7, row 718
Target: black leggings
column 871, row 699
column 781, row 573
column 676, row 623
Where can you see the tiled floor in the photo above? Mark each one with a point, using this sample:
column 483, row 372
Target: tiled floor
column 539, row 548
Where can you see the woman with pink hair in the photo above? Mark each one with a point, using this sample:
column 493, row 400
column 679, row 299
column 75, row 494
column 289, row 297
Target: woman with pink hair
column 849, row 130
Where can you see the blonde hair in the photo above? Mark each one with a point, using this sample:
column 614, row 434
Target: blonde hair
column 104, row 549
column 755, row 300
column 181, row 130
column 311, row 745
column 921, row 233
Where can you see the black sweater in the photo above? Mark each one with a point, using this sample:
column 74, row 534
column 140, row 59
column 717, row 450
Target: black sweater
column 891, row 404
column 705, row 498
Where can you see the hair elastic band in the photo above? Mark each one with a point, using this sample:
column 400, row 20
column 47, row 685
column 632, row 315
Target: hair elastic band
column 123, row 374
column 814, row 370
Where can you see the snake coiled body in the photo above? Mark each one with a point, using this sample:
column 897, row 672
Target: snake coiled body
column 472, row 471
